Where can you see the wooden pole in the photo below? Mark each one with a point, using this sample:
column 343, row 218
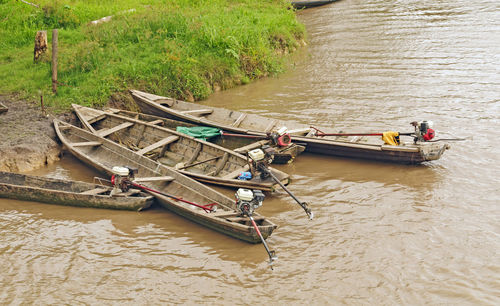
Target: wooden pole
column 54, row 60
column 41, row 104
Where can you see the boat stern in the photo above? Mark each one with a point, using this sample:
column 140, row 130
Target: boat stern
column 433, row 151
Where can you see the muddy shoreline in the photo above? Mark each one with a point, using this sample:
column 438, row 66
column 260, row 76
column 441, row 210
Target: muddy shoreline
column 27, row 138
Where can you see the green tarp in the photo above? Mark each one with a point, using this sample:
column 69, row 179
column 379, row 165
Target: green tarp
column 200, row 132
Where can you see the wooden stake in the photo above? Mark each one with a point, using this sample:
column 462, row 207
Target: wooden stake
column 41, row 104
column 40, row 45
column 54, row 60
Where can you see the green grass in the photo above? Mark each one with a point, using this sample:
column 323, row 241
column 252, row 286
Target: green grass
column 177, row 48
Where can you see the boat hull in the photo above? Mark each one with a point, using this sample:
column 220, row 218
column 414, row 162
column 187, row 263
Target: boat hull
column 258, row 125
column 17, row 187
column 385, row 153
column 107, row 154
column 215, row 163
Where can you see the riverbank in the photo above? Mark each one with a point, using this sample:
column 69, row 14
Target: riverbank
column 27, row 137
column 181, row 49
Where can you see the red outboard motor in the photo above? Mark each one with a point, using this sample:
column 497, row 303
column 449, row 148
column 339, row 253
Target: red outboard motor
column 423, row 130
column 281, row 138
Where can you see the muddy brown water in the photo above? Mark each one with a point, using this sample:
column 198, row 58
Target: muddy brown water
column 383, row 233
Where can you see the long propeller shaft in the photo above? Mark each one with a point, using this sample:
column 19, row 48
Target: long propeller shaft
column 272, row 254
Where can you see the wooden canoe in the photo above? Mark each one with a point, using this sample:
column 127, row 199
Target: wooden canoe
column 252, row 124
column 241, row 145
column 103, row 155
column 71, row 193
column 310, row 3
column 210, row 163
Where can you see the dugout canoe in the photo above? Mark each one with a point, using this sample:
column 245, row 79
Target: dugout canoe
column 70, row 193
column 201, row 160
column 311, row 3
column 102, row 155
column 241, row 145
column 251, row 124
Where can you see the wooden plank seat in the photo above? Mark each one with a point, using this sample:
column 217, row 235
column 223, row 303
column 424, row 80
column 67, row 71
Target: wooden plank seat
column 235, row 173
column 95, row 191
column 238, row 121
column 250, row 147
column 220, row 165
column 198, row 112
column 96, row 118
column 270, row 126
column 86, row 144
column 106, row 132
column 154, row 179
column 163, row 142
column 195, row 154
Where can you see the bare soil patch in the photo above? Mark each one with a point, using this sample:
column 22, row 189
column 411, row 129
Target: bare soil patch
column 27, row 138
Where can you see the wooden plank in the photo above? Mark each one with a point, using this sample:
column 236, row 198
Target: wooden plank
column 95, row 191
column 158, row 144
column 106, row 132
column 247, row 148
column 221, row 164
column 198, row 112
column 270, row 126
column 195, row 154
column 235, row 173
column 311, row 133
column 238, row 121
column 154, row 179
column 141, row 133
column 156, row 122
column 83, row 118
column 86, row 144
column 299, row 131
column 96, row 118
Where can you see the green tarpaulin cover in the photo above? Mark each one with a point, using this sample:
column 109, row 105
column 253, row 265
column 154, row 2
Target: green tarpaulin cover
column 201, row 132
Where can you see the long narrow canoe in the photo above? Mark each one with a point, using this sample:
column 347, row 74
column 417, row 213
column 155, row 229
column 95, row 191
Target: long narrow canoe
column 252, row 124
column 310, row 3
column 103, row 155
column 241, row 145
column 201, row 160
column 71, row 193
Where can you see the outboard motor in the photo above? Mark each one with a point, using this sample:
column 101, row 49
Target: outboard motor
column 423, row 131
column 247, row 201
column 260, row 160
column 120, row 177
column 280, row 138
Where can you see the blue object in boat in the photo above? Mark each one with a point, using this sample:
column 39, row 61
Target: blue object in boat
column 245, row 176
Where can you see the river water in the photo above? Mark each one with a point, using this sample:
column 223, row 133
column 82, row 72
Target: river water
column 383, row 233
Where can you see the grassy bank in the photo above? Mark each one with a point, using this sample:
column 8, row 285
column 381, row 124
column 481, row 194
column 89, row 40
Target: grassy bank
column 180, row 48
